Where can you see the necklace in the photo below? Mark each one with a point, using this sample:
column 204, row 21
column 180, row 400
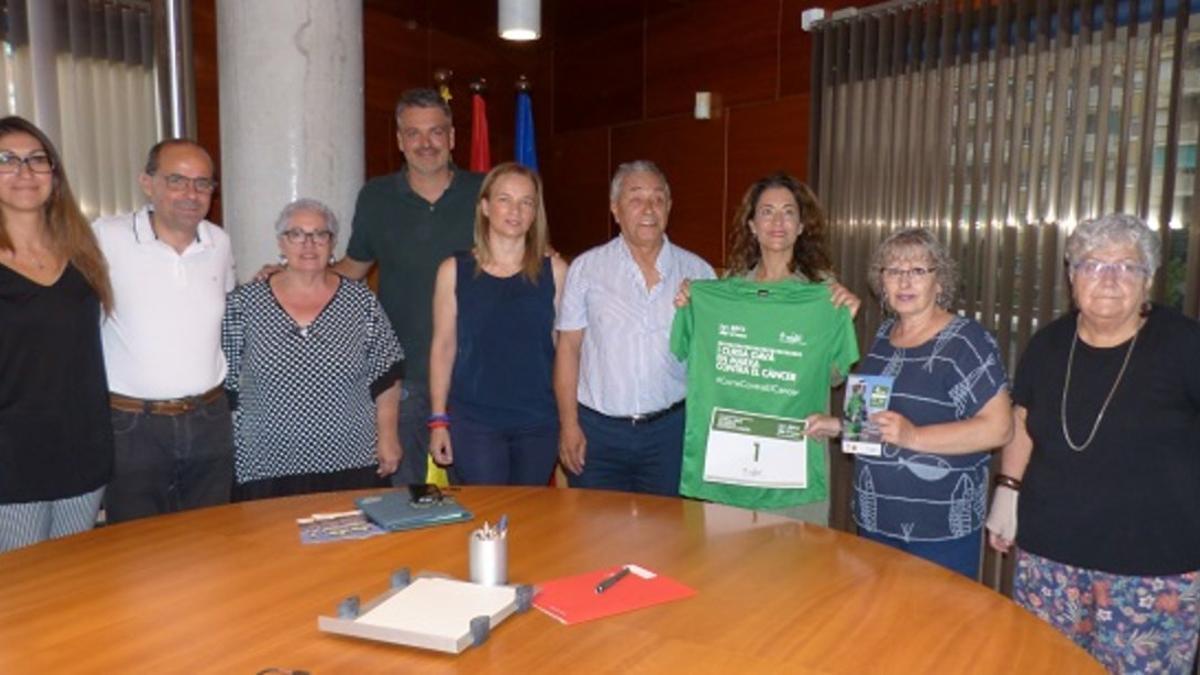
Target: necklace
column 1103, row 408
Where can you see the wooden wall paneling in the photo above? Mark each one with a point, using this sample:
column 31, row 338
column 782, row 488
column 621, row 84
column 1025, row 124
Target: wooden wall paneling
column 380, row 152
column 765, row 138
column 692, row 154
column 542, row 82
column 543, row 101
column 396, row 44
column 795, row 49
column 472, row 20
column 403, row 9
column 598, row 77
column 579, row 18
column 728, row 48
column 208, row 103
column 795, row 46
column 575, row 168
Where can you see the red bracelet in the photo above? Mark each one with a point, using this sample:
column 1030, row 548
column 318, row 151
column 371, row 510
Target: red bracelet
column 1008, row 482
column 438, row 424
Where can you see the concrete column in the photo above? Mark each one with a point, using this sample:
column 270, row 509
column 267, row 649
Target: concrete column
column 291, row 87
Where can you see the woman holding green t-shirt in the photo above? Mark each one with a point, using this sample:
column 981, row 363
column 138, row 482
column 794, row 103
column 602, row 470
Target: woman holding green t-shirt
column 778, row 235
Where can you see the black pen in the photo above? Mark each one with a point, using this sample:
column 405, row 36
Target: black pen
column 612, row 580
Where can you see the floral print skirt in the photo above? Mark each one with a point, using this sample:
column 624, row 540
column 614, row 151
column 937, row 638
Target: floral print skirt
column 1131, row 624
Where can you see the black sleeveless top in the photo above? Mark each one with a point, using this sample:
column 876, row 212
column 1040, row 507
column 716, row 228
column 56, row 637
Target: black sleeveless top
column 55, row 429
column 503, row 369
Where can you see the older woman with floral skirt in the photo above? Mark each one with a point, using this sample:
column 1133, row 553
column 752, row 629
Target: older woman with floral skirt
column 1106, row 458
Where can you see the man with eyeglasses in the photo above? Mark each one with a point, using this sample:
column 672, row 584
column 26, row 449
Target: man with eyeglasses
column 408, row 222
column 170, row 271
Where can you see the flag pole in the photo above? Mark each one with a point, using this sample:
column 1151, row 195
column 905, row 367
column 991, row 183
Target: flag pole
column 526, row 146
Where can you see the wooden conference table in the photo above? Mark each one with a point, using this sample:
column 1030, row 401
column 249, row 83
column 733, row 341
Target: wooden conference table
column 232, row 590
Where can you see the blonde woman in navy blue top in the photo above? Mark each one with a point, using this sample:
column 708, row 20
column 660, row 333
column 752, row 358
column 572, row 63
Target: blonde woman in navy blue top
column 491, row 362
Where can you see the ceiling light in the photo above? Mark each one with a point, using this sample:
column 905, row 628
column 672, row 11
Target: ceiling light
column 520, row 20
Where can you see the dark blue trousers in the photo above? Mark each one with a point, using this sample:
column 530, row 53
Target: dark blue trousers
column 485, row 456
column 633, row 457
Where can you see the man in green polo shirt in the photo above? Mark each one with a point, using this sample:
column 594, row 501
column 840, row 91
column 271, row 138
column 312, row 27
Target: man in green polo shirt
column 409, row 222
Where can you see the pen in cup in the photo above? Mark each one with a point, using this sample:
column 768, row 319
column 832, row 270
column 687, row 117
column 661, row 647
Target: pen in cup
column 610, row 581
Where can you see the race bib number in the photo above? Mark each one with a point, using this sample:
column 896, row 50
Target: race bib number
column 756, row 450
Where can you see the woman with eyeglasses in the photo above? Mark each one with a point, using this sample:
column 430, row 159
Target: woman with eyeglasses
column 56, row 443
column 1106, row 461
column 314, row 371
column 926, row 493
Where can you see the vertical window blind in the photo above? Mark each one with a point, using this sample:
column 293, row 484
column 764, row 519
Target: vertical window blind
column 83, row 71
column 999, row 125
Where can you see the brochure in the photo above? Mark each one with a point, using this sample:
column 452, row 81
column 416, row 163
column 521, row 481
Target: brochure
column 865, row 396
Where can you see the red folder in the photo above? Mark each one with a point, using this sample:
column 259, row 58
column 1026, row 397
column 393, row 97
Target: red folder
column 575, row 600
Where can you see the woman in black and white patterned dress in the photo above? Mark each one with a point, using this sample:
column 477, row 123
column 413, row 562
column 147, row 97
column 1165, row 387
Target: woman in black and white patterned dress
column 314, row 371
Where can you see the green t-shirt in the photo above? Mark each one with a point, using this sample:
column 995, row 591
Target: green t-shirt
column 409, row 237
column 763, row 349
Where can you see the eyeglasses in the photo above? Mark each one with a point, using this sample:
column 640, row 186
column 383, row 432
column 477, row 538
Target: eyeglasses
column 300, row 236
column 38, row 162
column 1096, row 269
column 914, row 273
column 766, row 214
column 178, row 183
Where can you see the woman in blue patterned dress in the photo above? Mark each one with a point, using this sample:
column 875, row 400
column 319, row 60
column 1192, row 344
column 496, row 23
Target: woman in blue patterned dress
column 949, row 407
column 314, row 371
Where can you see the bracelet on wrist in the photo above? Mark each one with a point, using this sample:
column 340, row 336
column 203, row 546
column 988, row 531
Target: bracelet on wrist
column 441, row 424
column 439, row 417
column 1008, row 482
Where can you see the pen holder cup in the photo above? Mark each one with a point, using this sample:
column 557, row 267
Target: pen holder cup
column 489, row 561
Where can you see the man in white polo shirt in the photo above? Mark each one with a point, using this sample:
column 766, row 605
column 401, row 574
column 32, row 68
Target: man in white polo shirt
column 170, row 271
column 619, row 389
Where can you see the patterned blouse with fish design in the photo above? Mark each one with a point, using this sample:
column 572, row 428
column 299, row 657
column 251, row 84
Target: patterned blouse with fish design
column 922, row 497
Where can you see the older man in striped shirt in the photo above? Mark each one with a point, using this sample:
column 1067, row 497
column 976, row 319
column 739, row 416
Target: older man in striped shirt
column 620, row 391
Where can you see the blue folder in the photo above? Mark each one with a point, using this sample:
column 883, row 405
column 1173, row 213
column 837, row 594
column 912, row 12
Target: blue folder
column 395, row 511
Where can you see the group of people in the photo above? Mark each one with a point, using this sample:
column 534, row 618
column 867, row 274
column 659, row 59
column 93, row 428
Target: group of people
column 133, row 373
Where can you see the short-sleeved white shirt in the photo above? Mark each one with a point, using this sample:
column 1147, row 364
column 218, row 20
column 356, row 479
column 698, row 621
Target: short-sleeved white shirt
column 163, row 339
column 626, row 366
